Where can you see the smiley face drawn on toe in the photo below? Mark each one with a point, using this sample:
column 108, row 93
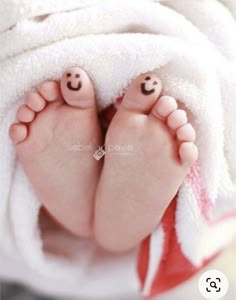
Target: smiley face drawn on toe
column 76, row 87
column 148, row 87
column 70, row 83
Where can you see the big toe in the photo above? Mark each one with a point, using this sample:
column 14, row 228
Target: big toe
column 143, row 93
column 77, row 88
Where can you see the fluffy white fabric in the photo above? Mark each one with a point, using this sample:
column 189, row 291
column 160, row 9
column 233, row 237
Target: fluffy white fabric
column 192, row 47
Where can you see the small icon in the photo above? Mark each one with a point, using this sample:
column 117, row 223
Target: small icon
column 213, row 285
column 99, row 153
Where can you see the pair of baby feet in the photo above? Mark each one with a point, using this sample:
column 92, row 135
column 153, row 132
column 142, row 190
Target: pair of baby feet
column 118, row 200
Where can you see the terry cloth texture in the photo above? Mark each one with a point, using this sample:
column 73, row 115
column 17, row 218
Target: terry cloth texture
column 191, row 45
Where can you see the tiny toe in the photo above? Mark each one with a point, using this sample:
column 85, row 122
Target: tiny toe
column 142, row 93
column 165, row 106
column 49, row 90
column 36, row 102
column 176, row 119
column 25, row 114
column 188, row 153
column 77, row 88
column 186, row 133
column 18, row 133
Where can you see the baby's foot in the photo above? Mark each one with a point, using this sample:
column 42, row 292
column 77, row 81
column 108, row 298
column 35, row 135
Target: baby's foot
column 135, row 189
column 54, row 141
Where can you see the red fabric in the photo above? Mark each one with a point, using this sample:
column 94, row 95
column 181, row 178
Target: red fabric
column 174, row 267
column 142, row 267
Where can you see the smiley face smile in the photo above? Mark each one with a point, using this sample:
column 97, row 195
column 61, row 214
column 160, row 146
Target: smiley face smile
column 70, row 87
column 144, row 90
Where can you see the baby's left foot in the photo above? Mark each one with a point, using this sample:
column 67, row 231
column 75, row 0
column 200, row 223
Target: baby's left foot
column 135, row 190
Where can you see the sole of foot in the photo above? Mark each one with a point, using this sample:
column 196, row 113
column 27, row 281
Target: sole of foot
column 149, row 149
column 56, row 133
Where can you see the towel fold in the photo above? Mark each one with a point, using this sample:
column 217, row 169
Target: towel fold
column 192, row 47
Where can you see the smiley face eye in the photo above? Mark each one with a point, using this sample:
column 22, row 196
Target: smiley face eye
column 77, row 76
column 68, row 74
column 147, row 78
column 155, row 83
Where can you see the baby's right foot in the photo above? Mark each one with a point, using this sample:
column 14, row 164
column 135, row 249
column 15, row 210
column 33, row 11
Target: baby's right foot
column 55, row 141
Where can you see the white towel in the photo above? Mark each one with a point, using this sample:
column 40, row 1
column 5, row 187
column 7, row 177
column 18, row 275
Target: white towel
column 192, row 47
